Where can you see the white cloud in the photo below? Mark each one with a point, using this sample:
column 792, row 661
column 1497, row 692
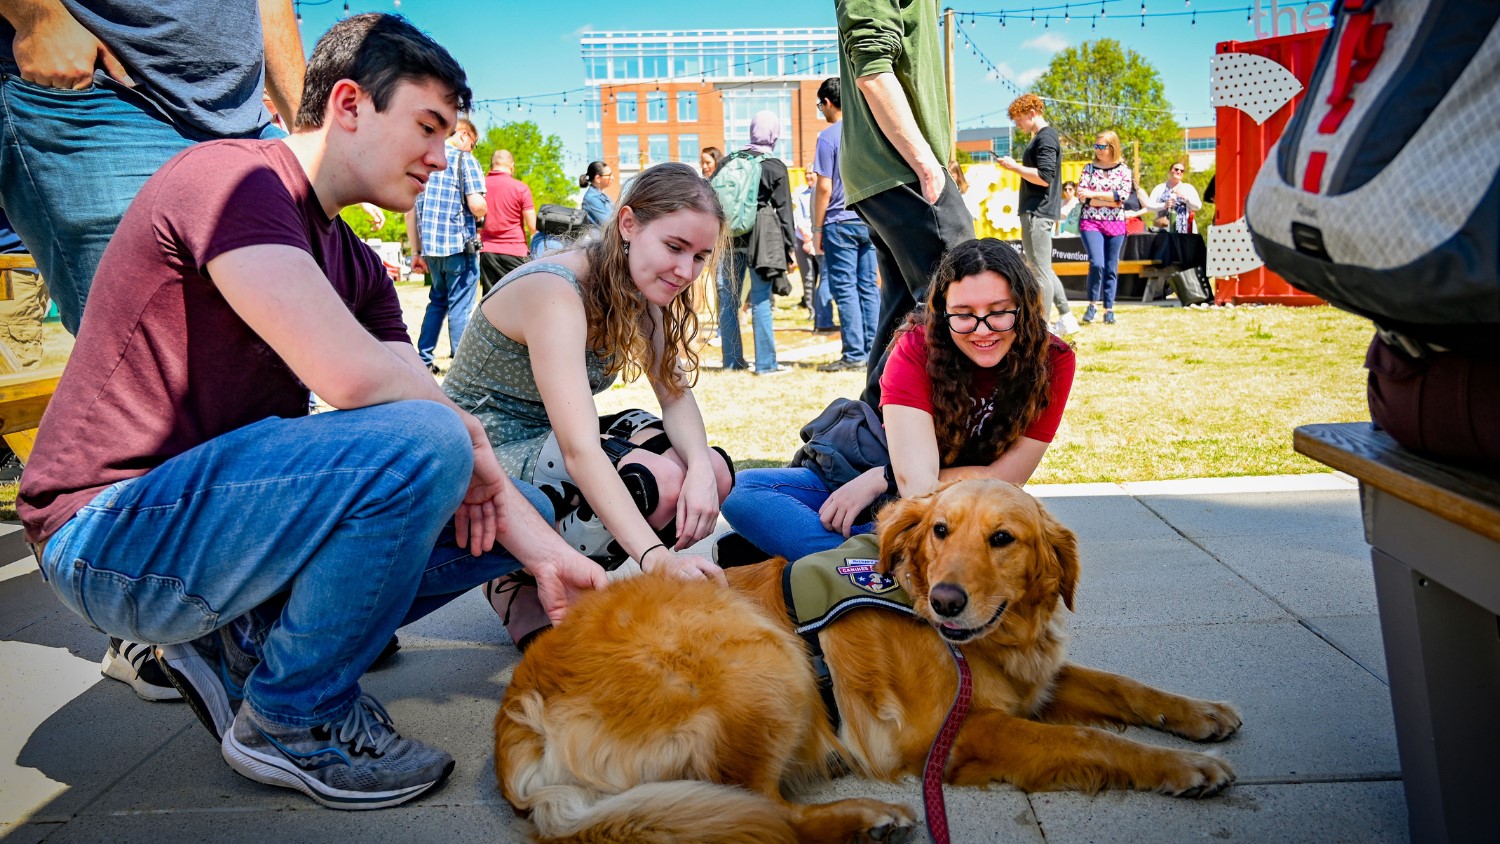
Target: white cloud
column 1049, row 42
column 1022, row 78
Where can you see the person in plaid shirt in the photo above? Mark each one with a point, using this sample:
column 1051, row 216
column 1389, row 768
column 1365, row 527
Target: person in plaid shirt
column 444, row 220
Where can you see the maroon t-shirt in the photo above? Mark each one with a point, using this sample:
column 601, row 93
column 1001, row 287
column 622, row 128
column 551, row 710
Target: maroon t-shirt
column 162, row 363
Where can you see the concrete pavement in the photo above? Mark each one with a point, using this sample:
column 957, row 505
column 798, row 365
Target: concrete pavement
column 1253, row 590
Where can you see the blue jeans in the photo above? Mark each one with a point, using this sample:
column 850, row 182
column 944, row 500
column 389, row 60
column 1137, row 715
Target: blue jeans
column 777, row 509
column 70, row 164
column 849, row 273
column 760, row 316
column 1104, row 265
column 336, row 527
column 455, row 281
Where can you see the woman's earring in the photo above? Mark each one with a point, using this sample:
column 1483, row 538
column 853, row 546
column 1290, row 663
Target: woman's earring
column 627, row 248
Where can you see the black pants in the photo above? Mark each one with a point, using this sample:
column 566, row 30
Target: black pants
column 493, row 266
column 910, row 238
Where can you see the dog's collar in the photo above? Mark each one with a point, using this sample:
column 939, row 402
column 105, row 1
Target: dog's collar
column 821, row 587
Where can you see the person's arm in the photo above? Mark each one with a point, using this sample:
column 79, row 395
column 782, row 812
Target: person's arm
column 285, row 61
column 474, row 180
column 822, row 195
column 1189, row 195
column 1030, row 174
column 893, row 114
column 414, row 238
column 310, row 328
column 528, row 224
column 54, row 50
column 698, row 502
column 912, row 438
column 1146, row 198
column 781, row 201
column 1016, row 465
column 557, row 350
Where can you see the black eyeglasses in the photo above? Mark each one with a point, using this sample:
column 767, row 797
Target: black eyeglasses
column 969, row 323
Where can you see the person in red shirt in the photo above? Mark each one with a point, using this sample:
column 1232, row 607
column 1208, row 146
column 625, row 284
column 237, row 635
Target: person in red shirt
column 509, row 220
column 974, row 387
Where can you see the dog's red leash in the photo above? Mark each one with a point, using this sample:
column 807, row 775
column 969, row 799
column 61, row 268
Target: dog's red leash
column 937, row 757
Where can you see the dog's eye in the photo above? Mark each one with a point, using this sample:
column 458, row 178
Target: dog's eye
column 940, row 530
column 1001, row 538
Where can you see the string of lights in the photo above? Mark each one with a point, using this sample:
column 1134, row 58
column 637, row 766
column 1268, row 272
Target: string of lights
column 1066, row 13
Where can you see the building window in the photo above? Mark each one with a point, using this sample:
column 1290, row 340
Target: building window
column 1202, row 143
column 658, row 149
column 630, row 152
column 595, row 150
column 980, row 155
column 626, row 107
column 687, row 149
column 655, row 65
column 626, row 68
column 1000, row 146
column 656, row 107
column 687, row 106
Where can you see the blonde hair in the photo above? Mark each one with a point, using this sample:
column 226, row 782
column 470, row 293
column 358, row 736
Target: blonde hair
column 1109, row 137
column 620, row 328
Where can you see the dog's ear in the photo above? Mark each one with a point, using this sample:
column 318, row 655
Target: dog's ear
column 897, row 526
column 1062, row 546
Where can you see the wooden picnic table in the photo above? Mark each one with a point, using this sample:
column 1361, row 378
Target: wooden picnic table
column 1434, row 532
column 23, row 395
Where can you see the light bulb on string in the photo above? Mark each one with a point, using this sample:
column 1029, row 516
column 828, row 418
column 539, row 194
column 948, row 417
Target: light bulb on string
column 346, row 8
column 1093, row 22
column 1067, row 15
column 1102, row 11
column 1195, row 17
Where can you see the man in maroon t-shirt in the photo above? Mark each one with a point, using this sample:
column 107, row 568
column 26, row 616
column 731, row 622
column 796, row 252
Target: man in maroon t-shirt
column 509, row 220
column 180, row 494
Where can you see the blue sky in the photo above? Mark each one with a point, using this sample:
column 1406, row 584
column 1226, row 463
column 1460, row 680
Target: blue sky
column 512, row 48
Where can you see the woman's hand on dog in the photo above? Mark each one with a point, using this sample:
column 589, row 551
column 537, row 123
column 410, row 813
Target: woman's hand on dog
column 697, row 505
column 562, row 580
column 684, row 566
column 848, row 501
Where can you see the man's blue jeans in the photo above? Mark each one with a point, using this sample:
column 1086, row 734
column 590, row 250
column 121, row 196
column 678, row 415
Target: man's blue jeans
column 455, row 280
column 777, row 509
column 334, row 529
column 849, row 272
column 760, row 315
column 1104, row 265
column 70, row 164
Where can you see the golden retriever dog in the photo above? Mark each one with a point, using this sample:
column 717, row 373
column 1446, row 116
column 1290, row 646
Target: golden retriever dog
column 673, row 711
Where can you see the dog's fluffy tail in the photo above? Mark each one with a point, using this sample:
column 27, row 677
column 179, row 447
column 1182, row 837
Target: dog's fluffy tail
column 667, row 812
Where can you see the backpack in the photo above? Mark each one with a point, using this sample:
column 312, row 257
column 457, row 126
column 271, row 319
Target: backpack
column 560, row 220
column 1383, row 194
column 737, row 183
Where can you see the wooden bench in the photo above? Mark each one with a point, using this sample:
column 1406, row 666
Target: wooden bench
column 23, row 395
column 1434, row 531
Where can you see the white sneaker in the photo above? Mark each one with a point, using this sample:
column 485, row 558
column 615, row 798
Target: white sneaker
column 1067, row 324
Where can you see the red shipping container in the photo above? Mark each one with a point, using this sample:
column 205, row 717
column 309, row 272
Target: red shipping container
column 1242, row 145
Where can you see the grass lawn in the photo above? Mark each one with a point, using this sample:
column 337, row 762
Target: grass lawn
column 1167, row 393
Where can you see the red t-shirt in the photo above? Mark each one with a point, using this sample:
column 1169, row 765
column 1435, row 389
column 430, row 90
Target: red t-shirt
column 162, row 363
column 506, row 198
column 905, row 383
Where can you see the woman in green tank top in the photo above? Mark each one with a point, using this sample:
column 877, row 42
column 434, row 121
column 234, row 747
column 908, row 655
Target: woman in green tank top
column 554, row 333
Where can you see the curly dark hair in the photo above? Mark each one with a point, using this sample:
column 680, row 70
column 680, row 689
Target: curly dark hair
column 1021, row 389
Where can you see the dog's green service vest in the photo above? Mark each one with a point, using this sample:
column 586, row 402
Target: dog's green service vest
column 821, row 587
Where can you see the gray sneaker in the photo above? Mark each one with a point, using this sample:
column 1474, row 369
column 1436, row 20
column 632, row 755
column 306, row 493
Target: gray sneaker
column 357, row 762
column 210, row 673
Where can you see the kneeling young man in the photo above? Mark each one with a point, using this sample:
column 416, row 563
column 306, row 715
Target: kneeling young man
column 179, row 492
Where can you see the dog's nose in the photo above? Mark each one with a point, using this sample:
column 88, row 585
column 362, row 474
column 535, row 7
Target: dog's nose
column 948, row 600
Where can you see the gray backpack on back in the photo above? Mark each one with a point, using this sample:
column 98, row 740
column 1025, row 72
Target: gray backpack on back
column 1383, row 194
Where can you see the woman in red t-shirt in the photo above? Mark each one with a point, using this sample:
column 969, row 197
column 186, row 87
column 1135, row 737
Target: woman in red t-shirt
column 974, row 386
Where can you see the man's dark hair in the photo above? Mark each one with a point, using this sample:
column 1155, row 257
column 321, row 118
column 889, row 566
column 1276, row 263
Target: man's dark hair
column 829, row 91
column 378, row 52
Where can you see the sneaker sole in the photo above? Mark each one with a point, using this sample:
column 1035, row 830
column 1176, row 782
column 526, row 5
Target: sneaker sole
column 189, row 672
column 273, row 770
column 116, row 667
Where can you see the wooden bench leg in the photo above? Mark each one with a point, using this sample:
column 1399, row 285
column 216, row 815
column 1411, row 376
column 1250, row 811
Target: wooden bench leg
column 1443, row 655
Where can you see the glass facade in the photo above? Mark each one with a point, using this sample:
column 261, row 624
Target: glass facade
column 712, row 55
column 630, row 152
column 658, row 149
column 687, row 106
column 1195, row 144
column 741, row 105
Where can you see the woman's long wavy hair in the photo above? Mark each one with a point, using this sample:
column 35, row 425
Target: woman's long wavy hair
column 1023, row 374
column 619, row 320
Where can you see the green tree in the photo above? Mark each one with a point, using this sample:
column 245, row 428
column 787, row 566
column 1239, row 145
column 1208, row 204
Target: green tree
column 539, row 160
column 1100, row 85
column 394, row 227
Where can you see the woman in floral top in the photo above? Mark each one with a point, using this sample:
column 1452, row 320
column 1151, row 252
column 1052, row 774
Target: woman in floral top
column 1103, row 188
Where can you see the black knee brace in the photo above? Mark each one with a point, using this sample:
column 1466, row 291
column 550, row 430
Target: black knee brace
column 642, row 487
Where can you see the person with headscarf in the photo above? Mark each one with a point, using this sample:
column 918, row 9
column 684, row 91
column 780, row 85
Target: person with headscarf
column 774, row 192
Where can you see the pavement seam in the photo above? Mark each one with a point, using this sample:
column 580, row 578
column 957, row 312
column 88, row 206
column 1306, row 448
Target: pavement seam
column 1253, row 585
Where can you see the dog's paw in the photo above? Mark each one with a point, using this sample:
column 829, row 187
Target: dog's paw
column 887, row 823
column 1197, row 775
column 1204, row 720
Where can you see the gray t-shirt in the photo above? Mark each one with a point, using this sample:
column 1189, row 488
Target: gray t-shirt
column 201, row 63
